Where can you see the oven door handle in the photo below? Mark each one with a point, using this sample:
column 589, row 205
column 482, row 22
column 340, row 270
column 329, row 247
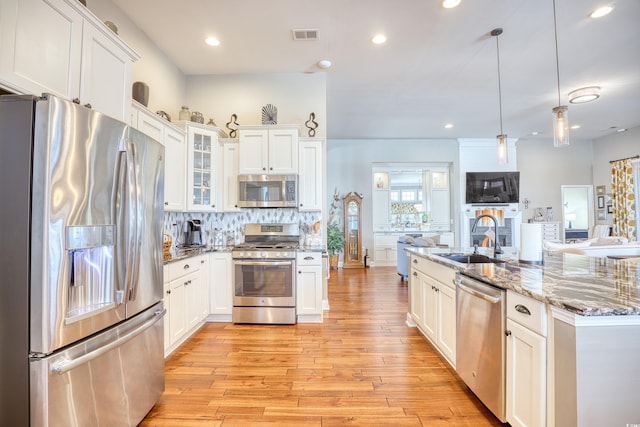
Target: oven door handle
column 266, row 263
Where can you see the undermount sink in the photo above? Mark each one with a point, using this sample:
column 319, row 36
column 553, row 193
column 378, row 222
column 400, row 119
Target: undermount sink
column 470, row 258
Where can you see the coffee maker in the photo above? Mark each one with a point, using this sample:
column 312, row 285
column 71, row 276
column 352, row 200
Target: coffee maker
column 192, row 231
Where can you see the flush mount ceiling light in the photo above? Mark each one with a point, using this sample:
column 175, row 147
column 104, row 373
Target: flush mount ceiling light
column 448, row 4
column 448, row 126
column 601, row 11
column 379, row 39
column 212, row 41
column 324, row 64
column 561, row 112
column 503, row 151
column 584, row 94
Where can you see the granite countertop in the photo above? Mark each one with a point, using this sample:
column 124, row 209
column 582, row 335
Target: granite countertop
column 177, row 254
column 588, row 286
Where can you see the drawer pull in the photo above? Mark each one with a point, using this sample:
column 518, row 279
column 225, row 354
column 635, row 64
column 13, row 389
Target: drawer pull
column 415, row 274
column 507, row 332
column 186, row 266
column 415, row 261
column 522, row 309
column 308, row 258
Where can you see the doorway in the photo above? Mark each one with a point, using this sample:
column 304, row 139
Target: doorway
column 577, row 212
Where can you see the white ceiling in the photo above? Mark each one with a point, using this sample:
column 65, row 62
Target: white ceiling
column 438, row 66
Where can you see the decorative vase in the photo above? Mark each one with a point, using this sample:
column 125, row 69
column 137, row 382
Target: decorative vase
column 333, row 262
column 197, row 117
column 140, row 93
column 184, row 114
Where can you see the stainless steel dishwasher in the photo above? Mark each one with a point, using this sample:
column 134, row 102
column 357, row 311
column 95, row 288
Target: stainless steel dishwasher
column 480, row 341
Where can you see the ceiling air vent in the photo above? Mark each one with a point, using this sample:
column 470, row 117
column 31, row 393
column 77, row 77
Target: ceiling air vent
column 305, row 34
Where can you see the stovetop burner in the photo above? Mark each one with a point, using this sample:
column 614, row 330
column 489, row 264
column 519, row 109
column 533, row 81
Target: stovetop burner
column 268, row 241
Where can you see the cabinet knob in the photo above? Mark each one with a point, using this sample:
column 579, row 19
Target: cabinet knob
column 264, row 169
column 299, row 272
column 271, row 168
column 168, row 291
column 507, row 332
column 87, row 105
column 415, row 261
column 76, row 100
column 166, row 203
column 415, row 274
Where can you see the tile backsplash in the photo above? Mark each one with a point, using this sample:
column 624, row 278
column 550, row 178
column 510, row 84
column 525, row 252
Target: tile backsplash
column 232, row 223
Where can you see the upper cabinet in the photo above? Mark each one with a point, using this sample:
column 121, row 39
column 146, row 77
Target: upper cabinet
column 202, row 167
column 175, row 152
column 310, row 176
column 269, row 150
column 60, row 47
column 229, row 190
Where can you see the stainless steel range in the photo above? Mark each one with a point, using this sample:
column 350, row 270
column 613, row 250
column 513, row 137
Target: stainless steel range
column 264, row 274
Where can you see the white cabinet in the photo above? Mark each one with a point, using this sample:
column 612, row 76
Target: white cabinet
column 221, row 287
column 309, row 287
column 202, row 167
column 526, row 361
column 310, row 186
column 550, row 231
column 269, row 150
column 175, row 152
column 60, row 47
column 230, row 164
column 434, row 308
column 186, row 299
column 385, row 248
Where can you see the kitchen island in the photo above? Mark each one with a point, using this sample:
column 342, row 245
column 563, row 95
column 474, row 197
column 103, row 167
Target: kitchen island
column 592, row 341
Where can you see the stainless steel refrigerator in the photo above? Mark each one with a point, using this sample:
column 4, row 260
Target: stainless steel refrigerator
column 81, row 314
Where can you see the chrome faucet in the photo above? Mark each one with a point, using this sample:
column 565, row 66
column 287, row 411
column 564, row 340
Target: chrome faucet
column 496, row 248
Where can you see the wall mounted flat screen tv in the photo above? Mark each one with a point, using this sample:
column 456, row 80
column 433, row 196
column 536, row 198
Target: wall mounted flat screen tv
column 493, row 187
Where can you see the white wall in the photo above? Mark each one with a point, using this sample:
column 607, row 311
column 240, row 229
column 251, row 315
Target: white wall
column 295, row 95
column 167, row 84
column 543, row 169
column 349, row 167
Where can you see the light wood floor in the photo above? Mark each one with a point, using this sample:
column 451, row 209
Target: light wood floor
column 362, row 367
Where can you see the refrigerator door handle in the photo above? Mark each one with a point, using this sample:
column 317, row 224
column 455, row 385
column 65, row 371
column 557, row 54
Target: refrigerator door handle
column 119, row 187
column 65, row 365
column 135, row 239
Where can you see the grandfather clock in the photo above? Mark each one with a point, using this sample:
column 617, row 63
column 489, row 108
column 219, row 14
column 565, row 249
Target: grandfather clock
column 352, row 230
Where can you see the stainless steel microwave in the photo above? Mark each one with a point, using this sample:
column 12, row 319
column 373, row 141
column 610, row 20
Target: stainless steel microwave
column 268, row 191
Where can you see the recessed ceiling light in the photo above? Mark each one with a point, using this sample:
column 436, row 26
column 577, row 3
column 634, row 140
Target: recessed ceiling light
column 601, row 11
column 535, row 133
column 621, row 130
column 448, row 4
column 575, row 127
column 379, row 39
column 584, row 94
column 324, row 64
column 448, row 126
column 212, row 41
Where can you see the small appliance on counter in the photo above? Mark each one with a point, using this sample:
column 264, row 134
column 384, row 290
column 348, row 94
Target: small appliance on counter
column 192, row 234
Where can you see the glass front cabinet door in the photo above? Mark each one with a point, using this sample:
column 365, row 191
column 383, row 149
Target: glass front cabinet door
column 353, row 230
column 201, row 167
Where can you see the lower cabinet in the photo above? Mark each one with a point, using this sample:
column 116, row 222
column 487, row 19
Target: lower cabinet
column 221, row 287
column 433, row 304
column 185, row 286
column 309, row 287
column 526, row 361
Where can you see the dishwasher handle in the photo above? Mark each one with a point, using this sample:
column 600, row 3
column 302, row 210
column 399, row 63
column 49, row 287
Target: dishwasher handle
column 476, row 292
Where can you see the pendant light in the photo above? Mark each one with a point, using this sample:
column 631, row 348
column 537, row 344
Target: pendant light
column 503, row 150
column 561, row 112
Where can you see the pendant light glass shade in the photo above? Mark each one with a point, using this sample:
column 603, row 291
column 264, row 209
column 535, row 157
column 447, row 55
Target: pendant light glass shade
column 503, row 149
column 560, row 126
